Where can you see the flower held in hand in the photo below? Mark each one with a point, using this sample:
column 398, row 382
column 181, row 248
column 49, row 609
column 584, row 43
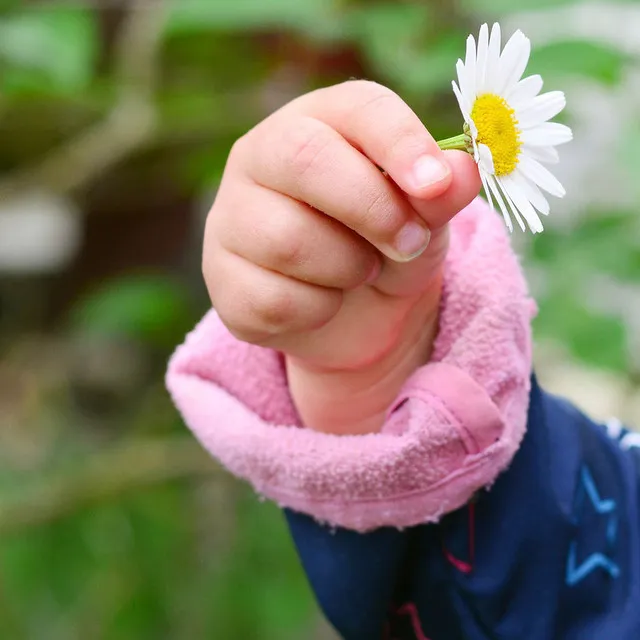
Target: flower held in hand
column 507, row 126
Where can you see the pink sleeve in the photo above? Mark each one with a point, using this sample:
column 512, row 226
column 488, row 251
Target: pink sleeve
column 455, row 426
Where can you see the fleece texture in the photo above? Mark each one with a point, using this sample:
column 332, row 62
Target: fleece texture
column 455, row 426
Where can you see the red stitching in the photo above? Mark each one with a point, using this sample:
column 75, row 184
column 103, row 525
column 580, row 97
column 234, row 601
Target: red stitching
column 461, row 565
column 410, row 609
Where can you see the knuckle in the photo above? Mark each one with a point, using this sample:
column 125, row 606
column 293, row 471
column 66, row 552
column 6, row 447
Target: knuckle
column 288, row 247
column 379, row 104
column 367, row 90
column 290, row 252
column 409, row 137
column 275, row 308
column 372, row 97
column 241, row 330
column 306, row 143
column 243, row 322
column 382, row 214
column 237, row 150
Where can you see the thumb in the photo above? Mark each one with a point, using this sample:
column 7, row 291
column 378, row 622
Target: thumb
column 413, row 278
column 464, row 188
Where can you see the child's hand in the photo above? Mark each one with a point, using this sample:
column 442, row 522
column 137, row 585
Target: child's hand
column 310, row 249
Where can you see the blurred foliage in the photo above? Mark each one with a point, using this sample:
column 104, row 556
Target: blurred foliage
column 150, row 309
column 586, row 59
column 199, row 557
column 48, row 50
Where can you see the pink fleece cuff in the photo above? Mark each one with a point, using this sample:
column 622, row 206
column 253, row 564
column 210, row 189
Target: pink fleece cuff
column 455, row 426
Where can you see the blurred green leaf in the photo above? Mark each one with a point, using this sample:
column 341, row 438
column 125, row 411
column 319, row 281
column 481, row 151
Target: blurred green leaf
column 597, row 339
column 113, row 567
column 243, row 15
column 154, row 309
column 594, row 246
column 391, row 23
column 7, row 5
column 603, row 244
column 598, row 62
column 395, row 40
column 58, row 44
column 434, row 68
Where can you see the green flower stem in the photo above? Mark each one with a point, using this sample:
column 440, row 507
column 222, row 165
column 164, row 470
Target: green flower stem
column 462, row 142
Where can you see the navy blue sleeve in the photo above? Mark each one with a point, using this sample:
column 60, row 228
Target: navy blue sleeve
column 551, row 551
column 353, row 575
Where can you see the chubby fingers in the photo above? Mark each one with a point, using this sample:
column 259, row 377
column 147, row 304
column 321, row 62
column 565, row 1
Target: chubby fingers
column 327, row 148
column 260, row 306
column 288, row 237
column 311, row 162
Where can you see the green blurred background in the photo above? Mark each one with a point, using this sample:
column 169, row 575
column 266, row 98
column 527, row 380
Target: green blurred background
column 115, row 121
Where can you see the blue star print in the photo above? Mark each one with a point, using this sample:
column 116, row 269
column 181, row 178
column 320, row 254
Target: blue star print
column 605, row 508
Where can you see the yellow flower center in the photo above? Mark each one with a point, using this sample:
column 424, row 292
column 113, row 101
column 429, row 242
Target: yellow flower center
column 498, row 129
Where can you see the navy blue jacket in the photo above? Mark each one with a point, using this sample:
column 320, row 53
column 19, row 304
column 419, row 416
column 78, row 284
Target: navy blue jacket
column 552, row 551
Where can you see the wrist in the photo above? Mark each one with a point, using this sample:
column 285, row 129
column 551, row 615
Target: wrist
column 355, row 401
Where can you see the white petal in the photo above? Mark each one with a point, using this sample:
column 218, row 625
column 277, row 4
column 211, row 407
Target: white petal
column 462, row 102
column 520, row 94
column 514, row 60
column 516, row 194
column 541, row 109
column 470, row 56
column 509, row 206
column 547, row 134
column 511, row 203
column 487, row 191
column 492, row 73
column 466, row 84
column 531, row 192
column 485, row 159
column 541, row 176
column 460, row 72
column 470, row 66
column 548, row 155
column 493, row 187
column 481, row 61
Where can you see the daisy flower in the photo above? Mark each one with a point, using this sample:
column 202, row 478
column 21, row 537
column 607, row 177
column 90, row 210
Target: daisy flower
column 507, row 126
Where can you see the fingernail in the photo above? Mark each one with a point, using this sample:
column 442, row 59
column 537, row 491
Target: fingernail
column 429, row 170
column 412, row 240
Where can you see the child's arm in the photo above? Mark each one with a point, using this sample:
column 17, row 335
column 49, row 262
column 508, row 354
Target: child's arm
column 355, row 576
